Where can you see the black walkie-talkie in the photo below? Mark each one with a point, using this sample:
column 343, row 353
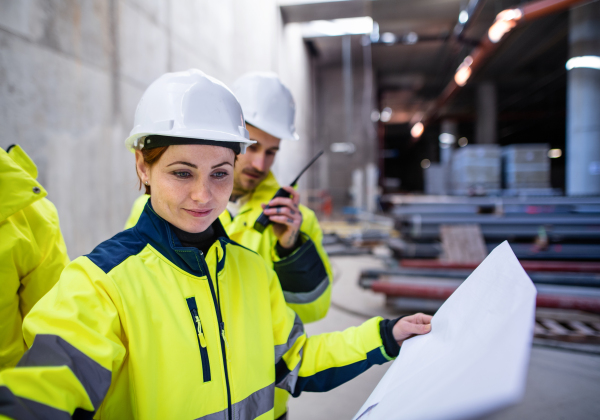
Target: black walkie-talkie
column 263, row 220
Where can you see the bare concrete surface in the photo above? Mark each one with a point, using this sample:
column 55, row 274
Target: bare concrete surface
column 72, row 73
column 560, row 384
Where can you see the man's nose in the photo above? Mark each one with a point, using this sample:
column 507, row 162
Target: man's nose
column 258, row 162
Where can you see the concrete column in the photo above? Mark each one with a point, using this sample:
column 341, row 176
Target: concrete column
column 448, row 138
column 485, row 129
column 348, row 85
column 583, row 104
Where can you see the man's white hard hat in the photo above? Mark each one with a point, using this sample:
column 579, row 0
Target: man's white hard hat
column 267, row 103
column 191, row 106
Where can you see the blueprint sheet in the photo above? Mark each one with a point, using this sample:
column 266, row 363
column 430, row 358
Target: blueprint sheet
column 475, row 358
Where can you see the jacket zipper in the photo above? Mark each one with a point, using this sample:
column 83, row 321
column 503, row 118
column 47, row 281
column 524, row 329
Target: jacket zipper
column 191, row 302
column 222, row 331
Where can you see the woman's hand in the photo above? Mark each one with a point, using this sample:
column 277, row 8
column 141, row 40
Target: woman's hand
column 409, row 326
column 286, row 218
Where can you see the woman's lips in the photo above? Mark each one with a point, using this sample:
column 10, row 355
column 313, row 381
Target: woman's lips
column 198, row 213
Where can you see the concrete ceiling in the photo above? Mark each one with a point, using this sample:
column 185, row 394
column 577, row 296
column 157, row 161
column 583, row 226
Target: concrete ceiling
column 526, row 53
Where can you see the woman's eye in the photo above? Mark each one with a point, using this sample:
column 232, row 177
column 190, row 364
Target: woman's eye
column 220, row 174
column 182, row 175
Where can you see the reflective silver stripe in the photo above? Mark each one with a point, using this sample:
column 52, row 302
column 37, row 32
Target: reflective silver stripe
column 52, row 350
column 289, row 382
column 307, row 297
column 296, row 332
column 254, row 405
column 25, row 409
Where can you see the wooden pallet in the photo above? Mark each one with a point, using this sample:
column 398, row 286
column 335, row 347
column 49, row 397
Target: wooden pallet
column 567, row 326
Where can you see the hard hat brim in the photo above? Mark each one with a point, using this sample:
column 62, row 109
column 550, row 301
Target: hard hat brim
column 132, row 141
column 282, row 134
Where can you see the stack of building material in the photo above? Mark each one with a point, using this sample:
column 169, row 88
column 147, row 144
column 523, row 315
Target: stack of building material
column 538, row 227
column 476, row 170
column 526, row 167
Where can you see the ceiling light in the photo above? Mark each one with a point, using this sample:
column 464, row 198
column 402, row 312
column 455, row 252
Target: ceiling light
column 447, row 138
column 554, row 153
column 386, row 114
column 463, row 72
column 346, row 147
column 463, row 17
column 338, row 27
column 586, row 61
column 425, row 163
column 505, row 21
column 411, row 38
column 388, row 38
column 375, row 32
column 417, row 130
column 375, row 115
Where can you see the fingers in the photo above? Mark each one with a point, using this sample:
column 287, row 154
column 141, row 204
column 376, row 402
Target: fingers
column 282, row 211
column 419, row 318
column 295, row 195
column 410, row 326
column 418, row 329
column 283, row 201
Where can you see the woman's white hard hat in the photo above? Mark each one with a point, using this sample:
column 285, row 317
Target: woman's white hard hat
column 267, row 103
column 192, row 105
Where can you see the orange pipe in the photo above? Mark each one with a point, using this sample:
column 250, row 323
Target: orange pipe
column 538, row 9
column 480, row 54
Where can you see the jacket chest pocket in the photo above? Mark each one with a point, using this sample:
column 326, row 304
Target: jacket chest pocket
column 191, row 302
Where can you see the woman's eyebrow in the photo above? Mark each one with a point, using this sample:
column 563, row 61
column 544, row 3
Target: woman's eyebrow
column 183, row 163
column 221, row 164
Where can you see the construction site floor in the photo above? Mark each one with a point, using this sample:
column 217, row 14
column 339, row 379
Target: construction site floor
column 561, row 384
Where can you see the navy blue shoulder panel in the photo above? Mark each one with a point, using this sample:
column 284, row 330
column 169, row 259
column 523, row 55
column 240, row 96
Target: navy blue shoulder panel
column 117, row 249
column 229, row 241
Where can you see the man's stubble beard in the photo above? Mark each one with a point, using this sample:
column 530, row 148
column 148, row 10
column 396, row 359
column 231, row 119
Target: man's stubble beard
column 239, row 189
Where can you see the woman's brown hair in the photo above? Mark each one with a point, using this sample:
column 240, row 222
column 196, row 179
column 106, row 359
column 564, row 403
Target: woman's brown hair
column 151, row 156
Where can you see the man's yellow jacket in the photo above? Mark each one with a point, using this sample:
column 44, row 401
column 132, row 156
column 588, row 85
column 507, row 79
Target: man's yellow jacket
column 144, row 328
column 305, row 275
column 32, row 249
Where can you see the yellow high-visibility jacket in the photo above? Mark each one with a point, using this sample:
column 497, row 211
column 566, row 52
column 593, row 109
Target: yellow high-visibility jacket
column 32, row 249
column 143, row 328
column 305, row 275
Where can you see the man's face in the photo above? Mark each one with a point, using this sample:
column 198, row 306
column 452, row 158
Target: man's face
column 254, row 165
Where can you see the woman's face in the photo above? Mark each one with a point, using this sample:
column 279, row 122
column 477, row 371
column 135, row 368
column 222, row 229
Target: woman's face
column 191, row 184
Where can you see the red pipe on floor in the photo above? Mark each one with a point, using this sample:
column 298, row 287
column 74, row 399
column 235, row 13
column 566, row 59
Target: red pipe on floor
column 442, row 293
column 528, row 265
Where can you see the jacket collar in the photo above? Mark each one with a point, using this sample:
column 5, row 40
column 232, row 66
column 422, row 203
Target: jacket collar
column 18, row 186
column 160, row 235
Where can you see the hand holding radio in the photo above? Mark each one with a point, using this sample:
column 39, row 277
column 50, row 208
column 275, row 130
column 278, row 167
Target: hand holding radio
column 283, row 211
column 264, row 219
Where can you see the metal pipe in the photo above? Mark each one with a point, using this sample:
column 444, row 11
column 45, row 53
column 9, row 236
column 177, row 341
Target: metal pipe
column 544, row 266
column 442, row 293
column 554, row 278
column 529, row 11
column 538, row 9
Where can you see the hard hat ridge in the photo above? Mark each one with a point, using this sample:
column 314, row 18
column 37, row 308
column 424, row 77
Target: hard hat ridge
column 188, row 105
column 267, row 104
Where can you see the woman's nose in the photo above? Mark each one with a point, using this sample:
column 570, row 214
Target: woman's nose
column 201, row 193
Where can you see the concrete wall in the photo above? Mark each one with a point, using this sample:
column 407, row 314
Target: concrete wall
column 72, row 72
column 335, row 169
